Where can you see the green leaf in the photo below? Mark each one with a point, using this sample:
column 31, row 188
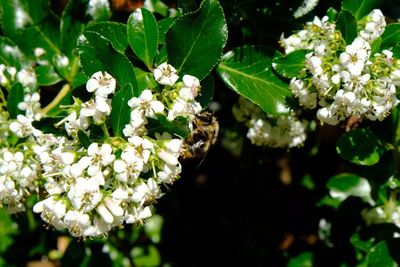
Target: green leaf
column 10, row 54
column 360, row 146
column 376, row 45
column 391, row 36
column 379, row 256
column 304, row 259
column 347, row 25
column 97, row 54
column 72, row 24
column 14, row 98
column 50, row 125
column 121, row 112
column 345, row 185
column 84, row 139
column 179, row 126
column 332, row 14
column 113, row 32
column 143, row 35
column 46, row 75
column 195, row 41
column 34, row 23
column 145, row 80
column 157, row 6
column 153, row 228
column 291, row 65
column 163, row 27
column 8, row 228
column 247, row 70
column 207, row 91
column 360, row 8
column 149, row 257
column 161, row 56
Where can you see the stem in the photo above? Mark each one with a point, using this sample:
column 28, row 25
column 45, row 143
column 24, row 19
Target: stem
column 63, row 92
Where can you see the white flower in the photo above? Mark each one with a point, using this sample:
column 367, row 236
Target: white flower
column 22, row 127
column 165, row 74
column 169, row 173
column 27, row 77
column 328, row 116
column 77, row 222
column 85, row 194
column 105, row 214
column 52, row 211
column 39, row 51
column 129, row 167
column 99, row 157
column 146, row 103
column 101, row 83
column 138, row 215
column 143, row 147
column 355, row 56
column 191, row 87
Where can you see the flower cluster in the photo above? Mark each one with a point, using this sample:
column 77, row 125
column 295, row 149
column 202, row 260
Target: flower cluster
column 351, row 83
column 266, row 130
column 92, row 189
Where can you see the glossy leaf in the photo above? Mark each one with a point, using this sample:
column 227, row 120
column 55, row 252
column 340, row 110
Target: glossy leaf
column 195, row 41
column 347, row 25
column 161, row 56
column 247, row 70
column 113, row 32
column 360, row 146
column 345, row 185
column 15, row 96
column 304, row 259
column 40, row 26
column 360, row 8
column 143, row 35
column 379, row 256
column 179, row 126
column 144, row 80
column 163, row 27
column 46, row 75
column 10, row 54
column 49, row 125
column 291, row 65
column 97, row 54
column 391, row 36
column 72, row 24
column 207, row 91
column 121, row 112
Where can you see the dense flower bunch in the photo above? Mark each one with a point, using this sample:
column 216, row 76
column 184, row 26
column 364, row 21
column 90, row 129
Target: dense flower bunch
column 354, row 82
column 266, row 130
column 91, row 188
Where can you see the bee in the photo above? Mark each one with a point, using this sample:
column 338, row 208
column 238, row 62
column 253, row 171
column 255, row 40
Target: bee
column 203, row 136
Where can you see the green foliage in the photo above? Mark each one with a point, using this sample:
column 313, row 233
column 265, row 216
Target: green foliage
column 120, row 114
column 291, row 65
column 195, row 41
column 379, row 256
column 143, row 35
column 360, row 8
column 113, row 32
column 179, row 126
column 347, row 25
column 390, row 37
column 247, row 70
column 361, row 146
column 46, row 75
column 16, row 96
column 305, row 259
column 97, row 54
column 344, row 185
